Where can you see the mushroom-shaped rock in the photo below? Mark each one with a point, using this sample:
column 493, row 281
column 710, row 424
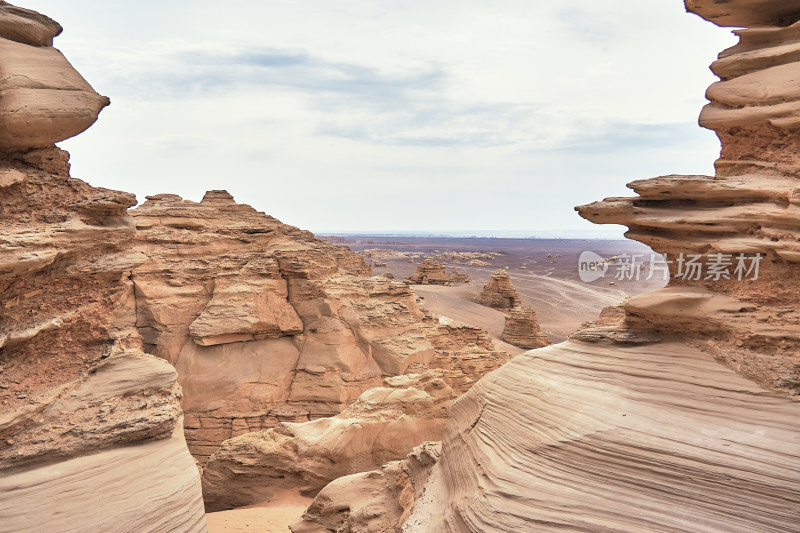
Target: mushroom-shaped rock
column 43, row 100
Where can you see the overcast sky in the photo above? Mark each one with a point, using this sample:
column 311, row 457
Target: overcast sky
column 377, row 115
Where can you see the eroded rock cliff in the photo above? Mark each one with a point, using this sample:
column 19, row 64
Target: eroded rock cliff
column 629, row 426
column 589, row 437
column 80, row 401
column 732, row 239
column 430, row 272
column 44, row 100
column 383, row 425
column 266, row 324
column 378, row 500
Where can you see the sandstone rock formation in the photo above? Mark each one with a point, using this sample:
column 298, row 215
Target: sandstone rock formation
column 739, row 226
column 639, row 430
column 581, row 437
column 379, row 500
column 430, row 272
column 500, row 292
column 267, row 324
column 44, row 100
column 384, row 424
column 467, row 257
column 748, row 13
column 522, row 329
column 459, row 277
column 80, row 401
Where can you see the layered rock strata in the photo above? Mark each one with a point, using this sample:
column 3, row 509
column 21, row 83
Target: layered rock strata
column 432, row 272
column 459, row 277
column 43, row 100
column 522, row 329
column 607, row 437
column 732, row 239
column 500, row 292
column 266, row 324
column 383, row 425
column 639, row 430
column 80, row 401
column 379, row 500
column 79, row 396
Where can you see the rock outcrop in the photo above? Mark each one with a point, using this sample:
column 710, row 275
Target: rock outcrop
column 383, row 425
column 430, row 272
column 587, row 437
column 266, row 324
column 654, row 424
column 379, row 500
column 459, row 277
column 500, row 292
column 80, row 401
column 732, row 239
column 522, row 329
column 43, row 99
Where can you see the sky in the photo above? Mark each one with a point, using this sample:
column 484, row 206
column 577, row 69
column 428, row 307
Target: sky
column 385, row 116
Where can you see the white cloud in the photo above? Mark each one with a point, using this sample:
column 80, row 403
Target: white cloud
column 378, row 115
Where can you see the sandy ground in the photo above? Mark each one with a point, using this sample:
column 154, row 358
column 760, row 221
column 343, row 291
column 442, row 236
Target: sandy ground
column 454, row 302
column 544, row 272
column 272, row 517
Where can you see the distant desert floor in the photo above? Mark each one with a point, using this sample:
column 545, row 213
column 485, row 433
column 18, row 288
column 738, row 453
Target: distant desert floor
column 548, row 284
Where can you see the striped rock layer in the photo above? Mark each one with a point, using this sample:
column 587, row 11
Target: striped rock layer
column 683, row 415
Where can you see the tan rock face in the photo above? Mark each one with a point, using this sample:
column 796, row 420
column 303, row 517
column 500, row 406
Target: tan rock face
column 384, row 424
column 459, row 277
column 253, row 304
column 430, row 272
column 79, row 399
column 43, row 100
column 266, row 324
column 379, row 500
column 75, row 380
column 26, row 26
column 500, row 292
column 593, row 437
column 522, row 329
column 748, row 210
column 746, row 12
column 67, row 321
column 465, row 353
